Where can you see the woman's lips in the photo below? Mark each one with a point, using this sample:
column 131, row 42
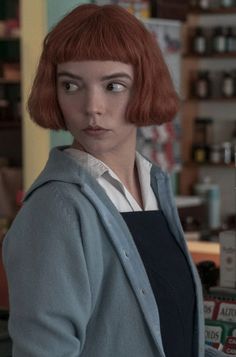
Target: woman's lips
column 95, row 130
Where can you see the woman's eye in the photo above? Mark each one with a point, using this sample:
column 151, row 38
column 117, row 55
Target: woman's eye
column 115, row 87
column 70, row 87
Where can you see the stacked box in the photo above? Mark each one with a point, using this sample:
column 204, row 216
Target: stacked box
column 226, row 311
column 230, row 346
column 216, row 332
column 210, row 308
column 228, row 259
column 220, row 324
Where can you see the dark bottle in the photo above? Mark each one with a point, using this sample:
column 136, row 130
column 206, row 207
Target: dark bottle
column 233, row 145
column 199, row 41
column 4, row 104
column 219, row 40
column 202, row 85
column 230, row 40
column 204, row 4
column 227, row 3
column 193, row 4
column 201, row 145
column 228, row 89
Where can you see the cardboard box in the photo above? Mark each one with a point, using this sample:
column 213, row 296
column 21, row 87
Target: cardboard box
column 210, row 309
column 216, row 332
column 228, row 259
column 227, row 311
column 230, row 346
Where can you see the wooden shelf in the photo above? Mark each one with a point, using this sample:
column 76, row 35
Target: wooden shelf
column 9, row 81
column 9, row 38
column 209, row 164
column 225, row 55
column 8, row 124
column 201, row 250
column 213, row 100
column 214, row 11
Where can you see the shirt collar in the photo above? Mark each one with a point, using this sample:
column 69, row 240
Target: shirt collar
column 95, row 167
column 98, row 168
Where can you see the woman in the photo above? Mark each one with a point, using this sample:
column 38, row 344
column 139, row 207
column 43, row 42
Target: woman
column 96, row 260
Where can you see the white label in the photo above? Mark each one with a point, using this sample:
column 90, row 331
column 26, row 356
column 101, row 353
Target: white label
column 209, row 309
column 213, row 334
column 228, row 259
column 227, row 312
column 200, row 45
column 220, row 44
column 228, row 87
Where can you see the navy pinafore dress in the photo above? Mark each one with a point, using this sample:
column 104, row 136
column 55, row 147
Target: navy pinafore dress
column 170, row 278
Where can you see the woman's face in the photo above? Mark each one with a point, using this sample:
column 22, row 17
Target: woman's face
column 93, row 97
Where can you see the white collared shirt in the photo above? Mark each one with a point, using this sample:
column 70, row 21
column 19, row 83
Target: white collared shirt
column 114, row 188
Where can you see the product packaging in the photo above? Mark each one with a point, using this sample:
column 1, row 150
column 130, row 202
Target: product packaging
column 227, row 311
column 228, row 259
column 216, row 332
column 210, row 308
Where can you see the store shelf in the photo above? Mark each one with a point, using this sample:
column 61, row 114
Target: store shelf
column 220, row 99
column 209, row 164
column 10, row 124
column 9, row 81
column 194, row 107
column 210, row 56
column 10, row 38
column 201, row 250
column 214, row 11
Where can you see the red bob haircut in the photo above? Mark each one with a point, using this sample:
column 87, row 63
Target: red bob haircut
column 104, row 33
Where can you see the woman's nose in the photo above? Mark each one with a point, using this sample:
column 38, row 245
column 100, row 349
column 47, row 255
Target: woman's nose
column 94, row 102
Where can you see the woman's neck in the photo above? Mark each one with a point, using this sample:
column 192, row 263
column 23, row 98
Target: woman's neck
column 126, row 169
column 124, row 166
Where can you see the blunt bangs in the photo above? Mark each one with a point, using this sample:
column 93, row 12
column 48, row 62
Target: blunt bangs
column 100, row 36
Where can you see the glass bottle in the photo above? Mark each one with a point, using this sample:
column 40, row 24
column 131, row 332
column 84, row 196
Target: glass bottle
column 227, row 3
column 226, row 152
column 227, row 85
column 215, row 154
column 233, row 144
column 199, row 41
column 204, row 4
column 200, row 148
column 230, row 40
column 219, row 40
column 202, row 85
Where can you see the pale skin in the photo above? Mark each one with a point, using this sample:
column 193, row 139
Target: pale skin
column 93, row 97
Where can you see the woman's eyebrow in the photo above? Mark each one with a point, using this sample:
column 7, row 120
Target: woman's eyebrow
column 116, row 75
column 68, row 74
column 103, row 78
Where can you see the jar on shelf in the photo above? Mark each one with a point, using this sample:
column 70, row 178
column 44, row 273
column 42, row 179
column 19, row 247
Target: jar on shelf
column 4, row 104
column 202, row 139
column 226, row 152
column 202, row 85
column 4, row 109
column 230, row 39
column 219, row 40
column 227, row 3
column 193, row 4
column 204, row 4
column 215, row 154
column 228, row 85
column 233, row 144
column 199, row 41
column 210, row 192
column 215, row 4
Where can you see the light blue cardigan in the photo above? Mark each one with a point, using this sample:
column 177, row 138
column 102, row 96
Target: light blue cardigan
column 77, row 284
